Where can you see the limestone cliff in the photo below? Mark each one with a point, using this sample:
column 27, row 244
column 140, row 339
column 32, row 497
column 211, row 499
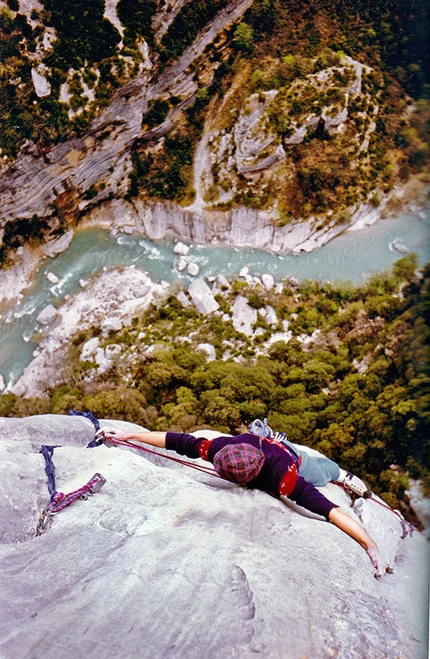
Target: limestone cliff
column 169, row 562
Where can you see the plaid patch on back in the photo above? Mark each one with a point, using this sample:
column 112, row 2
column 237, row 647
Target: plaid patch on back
column 239, row 463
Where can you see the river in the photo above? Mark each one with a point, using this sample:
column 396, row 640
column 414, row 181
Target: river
column 352, row 256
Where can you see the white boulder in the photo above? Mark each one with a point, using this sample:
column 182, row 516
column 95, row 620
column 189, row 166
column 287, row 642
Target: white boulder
column 141, row 290
column 244, row 317
column 268, row 282
column 50, row 276
column 193, row 269
column 89, row 348
column 202, row 297
column 41, row 85
column 271, row 317
column 110, row 324
column 183, row 299
column 223, row 282
column 47, row 315
column 181, row 249
column 112, row 350
column 209, row 349
column 181, row 264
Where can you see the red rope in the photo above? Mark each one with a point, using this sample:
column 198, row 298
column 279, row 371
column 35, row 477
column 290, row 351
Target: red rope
column 203, row 468
column 407, row 527
column 61, row 500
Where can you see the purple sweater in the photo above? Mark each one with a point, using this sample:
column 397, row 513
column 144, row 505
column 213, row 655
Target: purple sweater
column 276, row 463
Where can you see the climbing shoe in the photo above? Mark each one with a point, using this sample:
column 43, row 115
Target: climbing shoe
column 354, row 484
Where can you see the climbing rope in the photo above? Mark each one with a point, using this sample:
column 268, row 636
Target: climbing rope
column 97, row 442
column 203, row 468
column 407, row 527
column 59, row 500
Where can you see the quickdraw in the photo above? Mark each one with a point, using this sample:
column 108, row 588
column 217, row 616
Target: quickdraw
column 59, row 500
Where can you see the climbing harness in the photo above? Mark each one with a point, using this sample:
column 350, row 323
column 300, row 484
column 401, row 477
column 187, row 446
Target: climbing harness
column 59, row 500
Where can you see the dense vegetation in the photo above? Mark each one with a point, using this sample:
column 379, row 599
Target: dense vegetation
column 188, row 23
column 390, row 35
column 358, row 390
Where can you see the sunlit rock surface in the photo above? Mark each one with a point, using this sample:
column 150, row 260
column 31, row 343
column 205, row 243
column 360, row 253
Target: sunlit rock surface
column 169, row 562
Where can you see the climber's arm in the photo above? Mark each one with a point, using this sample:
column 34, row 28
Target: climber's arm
column 353, row 529
column 153, row 438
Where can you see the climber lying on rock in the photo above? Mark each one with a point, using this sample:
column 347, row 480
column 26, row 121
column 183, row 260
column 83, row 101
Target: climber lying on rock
column 258, row 461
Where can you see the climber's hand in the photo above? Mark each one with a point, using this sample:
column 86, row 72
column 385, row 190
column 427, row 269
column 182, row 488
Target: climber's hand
column 377, row 562
column 112, row 433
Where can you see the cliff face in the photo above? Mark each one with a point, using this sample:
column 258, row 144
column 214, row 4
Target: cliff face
column 244, row 227
column 168, row 562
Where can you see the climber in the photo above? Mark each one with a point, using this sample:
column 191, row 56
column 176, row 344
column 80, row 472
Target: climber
column 313, row 467
column 256, row 462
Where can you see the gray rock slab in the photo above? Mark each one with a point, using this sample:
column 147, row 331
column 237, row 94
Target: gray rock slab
column 168, row 562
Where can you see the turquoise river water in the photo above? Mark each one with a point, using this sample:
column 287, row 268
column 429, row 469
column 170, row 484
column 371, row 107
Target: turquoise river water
column 352, row 257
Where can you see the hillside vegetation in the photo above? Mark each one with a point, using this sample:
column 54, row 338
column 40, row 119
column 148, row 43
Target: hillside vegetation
column 351, row 381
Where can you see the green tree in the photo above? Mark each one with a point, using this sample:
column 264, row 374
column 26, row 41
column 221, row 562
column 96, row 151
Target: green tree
column 244, row 36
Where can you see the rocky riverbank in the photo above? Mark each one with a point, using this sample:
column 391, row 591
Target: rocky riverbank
column 108, row 302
